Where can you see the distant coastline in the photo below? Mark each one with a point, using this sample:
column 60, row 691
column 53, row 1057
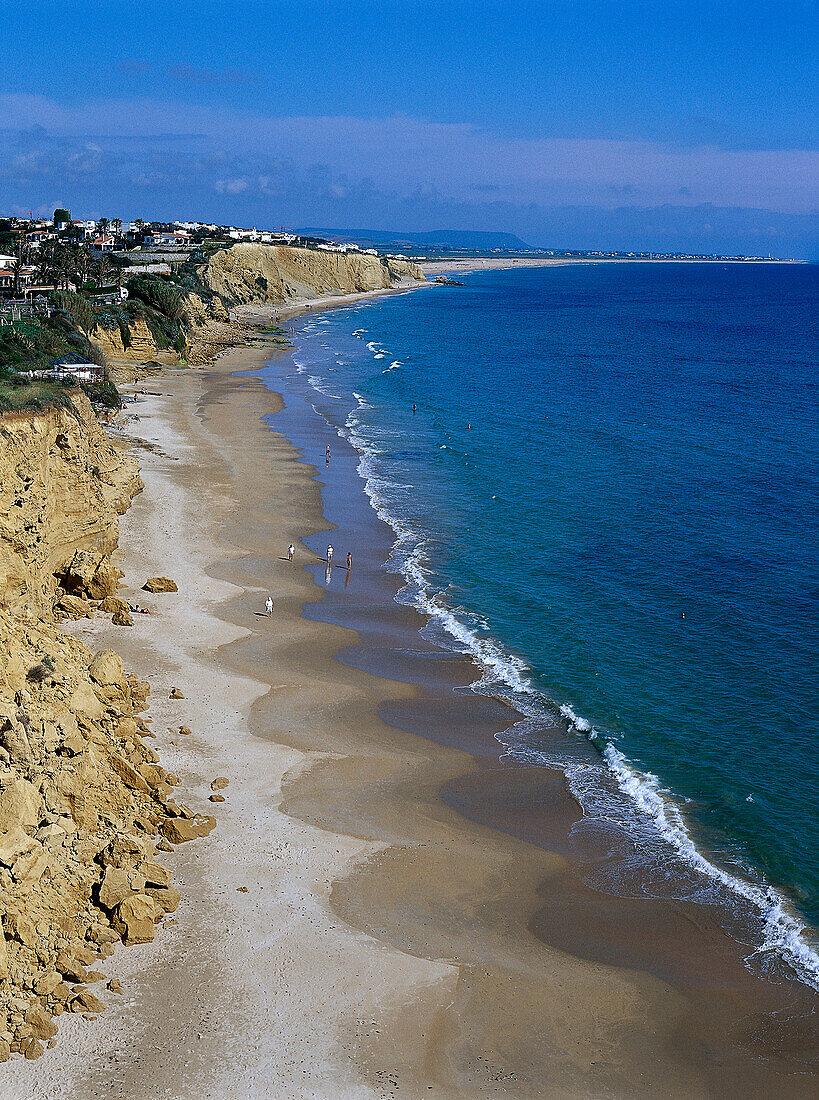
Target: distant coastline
column 499, row 263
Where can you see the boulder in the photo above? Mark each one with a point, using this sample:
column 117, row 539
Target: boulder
column 219, row 783
column 39, row 1024
column 85, row 702
column 135, row 918
column 178, row 830
column 128, row 773
column 47, row 983
column 176, row 693
column 115, row 986
column 71, row 966
column 73, row 607
column 86, row 1001
column 31, row 867
column 160, row 584
column 112, row 604
column 154, row 873
column 90, row 574
column 20, row 804
column 166, row 897
column 15, row 843
column 122, row 618
column 114, row 888
column 107, row 669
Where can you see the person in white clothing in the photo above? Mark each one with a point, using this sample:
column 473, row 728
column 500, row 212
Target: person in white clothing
column 329, row 554
column 291, row 550
column 268, row 605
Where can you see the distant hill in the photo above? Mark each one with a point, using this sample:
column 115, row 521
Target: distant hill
column 437, row 239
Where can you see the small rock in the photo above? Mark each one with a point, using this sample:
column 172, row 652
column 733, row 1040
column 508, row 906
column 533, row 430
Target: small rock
column 241, row 889
column 160, row 584
column 115, row 987
column 185, row 731
column 219, row 783
column 176, row 694
column 216, row 798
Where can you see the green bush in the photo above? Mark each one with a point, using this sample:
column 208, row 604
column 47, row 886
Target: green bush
column 77, row 308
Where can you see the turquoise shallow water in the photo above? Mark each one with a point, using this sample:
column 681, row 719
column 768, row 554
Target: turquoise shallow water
column 607, row 494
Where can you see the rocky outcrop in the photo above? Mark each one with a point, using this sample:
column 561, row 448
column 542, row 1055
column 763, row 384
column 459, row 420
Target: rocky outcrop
column 249, row 273
column 83, row 801
column 135, row 344
column 63, row 483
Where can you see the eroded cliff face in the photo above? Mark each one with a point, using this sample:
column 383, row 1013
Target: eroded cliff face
column 63, row 484
column 137, row 346
column 249, row 273
column 84, row 804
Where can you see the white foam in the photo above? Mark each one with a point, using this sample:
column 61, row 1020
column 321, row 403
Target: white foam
column 783, row 933
column 507, row 676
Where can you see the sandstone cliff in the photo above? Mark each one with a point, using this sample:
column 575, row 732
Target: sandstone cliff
column 82, row 798
column 263, row 273
column 62, row 485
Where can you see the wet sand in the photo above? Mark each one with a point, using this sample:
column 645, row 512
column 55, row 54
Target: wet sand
column 415, row 920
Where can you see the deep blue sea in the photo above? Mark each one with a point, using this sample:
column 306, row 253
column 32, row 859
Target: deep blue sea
column 607, row 495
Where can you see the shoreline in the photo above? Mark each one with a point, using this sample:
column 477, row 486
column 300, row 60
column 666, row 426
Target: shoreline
column 430, row 977
column 437, row 267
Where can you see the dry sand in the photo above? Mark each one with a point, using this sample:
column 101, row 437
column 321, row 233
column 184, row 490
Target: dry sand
column 382, row 947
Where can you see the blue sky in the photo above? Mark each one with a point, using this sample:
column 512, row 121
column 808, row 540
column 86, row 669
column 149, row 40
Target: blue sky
column 574, row 124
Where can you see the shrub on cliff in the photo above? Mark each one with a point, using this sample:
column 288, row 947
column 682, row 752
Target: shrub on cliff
column 75, row 306
column 161, row 295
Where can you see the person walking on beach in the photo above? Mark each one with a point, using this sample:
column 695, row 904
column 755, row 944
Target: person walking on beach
column 327, row 456
column 329, row 555
column 268, row 605
column 349, row 560
column 291, row 550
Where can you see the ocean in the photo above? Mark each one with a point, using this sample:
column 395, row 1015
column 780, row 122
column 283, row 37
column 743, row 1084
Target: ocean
column 601, row 481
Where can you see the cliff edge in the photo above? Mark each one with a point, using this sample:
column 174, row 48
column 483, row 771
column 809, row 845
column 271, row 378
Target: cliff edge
column 84, row 803
column 63, row 483
column 249, row 273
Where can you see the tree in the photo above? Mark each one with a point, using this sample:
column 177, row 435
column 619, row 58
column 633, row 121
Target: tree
column 116, row 225
column 102, row 226
column 22, row 255
column 61, row 215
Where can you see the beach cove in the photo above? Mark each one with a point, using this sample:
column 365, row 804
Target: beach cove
column 345, row 931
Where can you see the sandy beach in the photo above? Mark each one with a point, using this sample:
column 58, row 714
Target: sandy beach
column 383, row 909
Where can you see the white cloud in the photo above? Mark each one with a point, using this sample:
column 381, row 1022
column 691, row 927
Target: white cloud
column 401, row 155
